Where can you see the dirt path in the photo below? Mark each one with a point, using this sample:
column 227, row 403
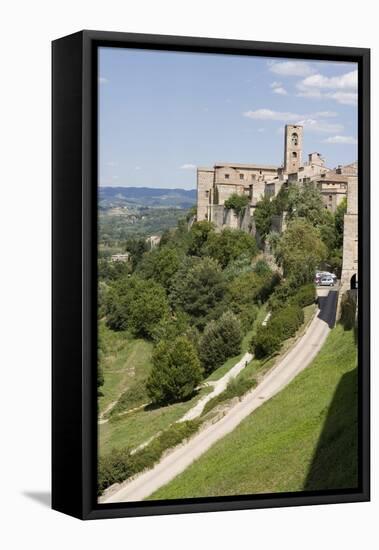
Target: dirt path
column 301, row 355
column 218, row 387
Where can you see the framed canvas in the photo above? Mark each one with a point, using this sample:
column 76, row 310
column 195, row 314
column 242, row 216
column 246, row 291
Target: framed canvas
column 211, row 208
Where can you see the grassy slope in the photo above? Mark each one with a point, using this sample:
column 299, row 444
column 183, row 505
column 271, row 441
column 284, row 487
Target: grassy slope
column 124, row 361
column 131, row 430
column 304, row 438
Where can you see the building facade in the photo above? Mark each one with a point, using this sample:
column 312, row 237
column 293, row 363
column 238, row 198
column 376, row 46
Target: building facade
column 217, row 183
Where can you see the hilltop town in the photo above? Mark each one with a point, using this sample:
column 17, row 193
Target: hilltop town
column 215, row 185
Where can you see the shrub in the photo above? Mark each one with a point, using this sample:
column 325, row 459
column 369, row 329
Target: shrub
column 247, row 316
column 133, row 397
column 221, row 339
column 282, row 294
column 237, row 202
column 286, row 321
column 348, row 311
column 305, row 296
column 236, row 388
column 265, row 342
column 175, row 373
column 282, row 325
column 119, row 465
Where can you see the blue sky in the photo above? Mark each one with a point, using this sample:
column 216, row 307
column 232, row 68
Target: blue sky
column 161, row 114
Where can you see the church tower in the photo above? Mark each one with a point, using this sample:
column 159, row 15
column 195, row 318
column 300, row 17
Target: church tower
column 293, row 144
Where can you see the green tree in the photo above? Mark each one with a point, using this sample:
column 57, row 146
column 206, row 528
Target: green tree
column 300, row 251
column 230, row 244
column 305, row 202
column 198, row 236
column 175, row 373
column 262, row 216
column 136, row 248
column 237, row 203
column 136, row 304
column 198, row 289
column 339, row 221
column 160, row 264
column 328, row 231
column 221, row 339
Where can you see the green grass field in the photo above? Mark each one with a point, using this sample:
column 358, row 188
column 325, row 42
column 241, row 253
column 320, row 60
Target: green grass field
column 126, row 363
column 305, row 438
column 131, row 430
column 125, row 360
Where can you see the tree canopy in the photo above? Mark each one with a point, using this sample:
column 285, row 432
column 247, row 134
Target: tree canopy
column 135, row 304
column 198, row 289
column 236, row 202
column 176, row 371
column 300, row 250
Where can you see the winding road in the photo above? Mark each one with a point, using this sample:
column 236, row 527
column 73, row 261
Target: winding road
column 296, row 360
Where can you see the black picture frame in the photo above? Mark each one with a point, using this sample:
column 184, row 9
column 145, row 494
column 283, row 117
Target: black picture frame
column 74, row 205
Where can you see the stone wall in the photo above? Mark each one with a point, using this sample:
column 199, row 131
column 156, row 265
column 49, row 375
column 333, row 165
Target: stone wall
column 350, row 239
column 205, row 177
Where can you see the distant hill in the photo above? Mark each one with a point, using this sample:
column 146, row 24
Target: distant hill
column 110, row 197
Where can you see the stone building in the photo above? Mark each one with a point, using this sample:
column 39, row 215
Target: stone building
column 125, row 257
column 216, row 184
column 349, row 276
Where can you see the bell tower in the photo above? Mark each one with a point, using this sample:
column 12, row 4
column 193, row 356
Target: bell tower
column 293, row 144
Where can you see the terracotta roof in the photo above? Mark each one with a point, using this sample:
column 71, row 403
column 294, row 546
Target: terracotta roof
column 251, row 166
column 332, row 176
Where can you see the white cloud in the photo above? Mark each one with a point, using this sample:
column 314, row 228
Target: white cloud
column 277, row 88
column 325, row 114
column 187, row 166
column 268, row 114
column 138, row 168
column 291, row 68
column 315, row 125
column 344, row 86
column 345, row 98
column 313, row 122
column 103, row 80
column 341, row 82
column 280, row 91
column 344, row 140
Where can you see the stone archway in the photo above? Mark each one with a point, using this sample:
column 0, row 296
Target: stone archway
column 353, row 282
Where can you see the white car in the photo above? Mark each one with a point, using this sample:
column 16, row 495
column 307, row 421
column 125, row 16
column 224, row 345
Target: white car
column 326, row 281
column 320, row 274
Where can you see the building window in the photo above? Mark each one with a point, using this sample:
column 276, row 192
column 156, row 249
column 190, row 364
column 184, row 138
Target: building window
column 294, row 139
column 207, row 193
column 242, row 176
column 330, row 198
column 294, row 155
column 226, row 176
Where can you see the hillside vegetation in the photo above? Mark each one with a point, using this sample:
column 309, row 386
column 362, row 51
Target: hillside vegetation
column 305, row 438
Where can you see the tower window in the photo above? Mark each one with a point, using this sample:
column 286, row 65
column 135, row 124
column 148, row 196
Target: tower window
column 295, row 139
column 226, row 176
column 294, row 155
column 242, row 176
